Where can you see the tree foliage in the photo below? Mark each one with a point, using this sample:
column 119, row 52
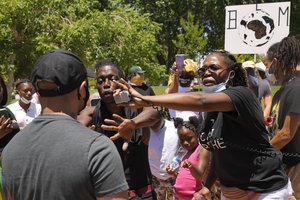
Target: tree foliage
column 140, row 32
column 31, row 27
column 191, row 39
column 168, row 13
column 209, row 14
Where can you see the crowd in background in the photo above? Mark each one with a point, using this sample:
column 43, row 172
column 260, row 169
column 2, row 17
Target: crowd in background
column 232, row 140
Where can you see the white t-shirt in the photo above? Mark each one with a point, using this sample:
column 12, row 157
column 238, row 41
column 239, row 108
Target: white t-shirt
column 182, row 114
column 23, row 118
column 162, row 148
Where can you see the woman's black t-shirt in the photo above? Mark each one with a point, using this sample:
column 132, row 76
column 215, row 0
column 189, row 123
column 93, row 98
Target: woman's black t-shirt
column 286, row 101
column 243, row 156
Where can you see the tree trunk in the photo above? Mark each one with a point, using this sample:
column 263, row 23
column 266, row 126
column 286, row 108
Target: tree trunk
column 10, row 84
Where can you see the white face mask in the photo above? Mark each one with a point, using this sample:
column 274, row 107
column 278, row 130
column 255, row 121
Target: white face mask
column 216, row 88
column 25, row 101
column 270, row 77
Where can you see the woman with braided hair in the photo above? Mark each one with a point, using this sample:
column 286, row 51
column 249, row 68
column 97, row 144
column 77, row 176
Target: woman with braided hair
column 283, row 62
column 246, row 164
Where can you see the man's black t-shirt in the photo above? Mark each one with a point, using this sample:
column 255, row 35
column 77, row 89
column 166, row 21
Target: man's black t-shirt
column 135, row 159
column 243, row 156
column 286, row 101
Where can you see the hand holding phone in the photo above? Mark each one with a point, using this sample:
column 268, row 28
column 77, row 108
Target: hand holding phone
column 4, row 113
column 8, row 115
column 94, row 102
column 122, row 97
column 179, row 60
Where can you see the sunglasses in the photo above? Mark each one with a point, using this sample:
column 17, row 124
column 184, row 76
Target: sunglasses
column 211, row 68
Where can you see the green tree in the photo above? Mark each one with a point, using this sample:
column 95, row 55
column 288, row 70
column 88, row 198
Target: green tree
column 29, row 28
column 167, row 13
column 191, row 40
column 207, row 13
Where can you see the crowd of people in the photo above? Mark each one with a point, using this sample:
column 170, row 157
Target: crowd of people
column 236, row 141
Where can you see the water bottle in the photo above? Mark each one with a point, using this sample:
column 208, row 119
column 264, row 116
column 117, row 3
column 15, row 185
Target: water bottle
column 180, row 153
column 175, row 163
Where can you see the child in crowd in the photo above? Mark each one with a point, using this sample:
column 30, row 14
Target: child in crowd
column 189, row 176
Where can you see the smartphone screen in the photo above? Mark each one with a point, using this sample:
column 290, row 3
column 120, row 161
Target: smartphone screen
column 179, row 60
column 94, row 102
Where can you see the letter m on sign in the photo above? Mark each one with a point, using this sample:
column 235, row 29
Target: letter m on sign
column 283, row 13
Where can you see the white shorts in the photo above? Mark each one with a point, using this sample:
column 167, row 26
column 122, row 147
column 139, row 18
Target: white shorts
column 281, row 194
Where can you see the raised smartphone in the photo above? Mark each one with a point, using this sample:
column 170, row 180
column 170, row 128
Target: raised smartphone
column 179, row 60
column 94, row 102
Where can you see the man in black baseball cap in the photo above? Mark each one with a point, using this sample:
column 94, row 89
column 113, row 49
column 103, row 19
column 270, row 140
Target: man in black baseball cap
column 56, row 157
column 60, row 72
column 60, row 67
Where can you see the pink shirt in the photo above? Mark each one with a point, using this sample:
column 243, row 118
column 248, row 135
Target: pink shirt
column 186, row 185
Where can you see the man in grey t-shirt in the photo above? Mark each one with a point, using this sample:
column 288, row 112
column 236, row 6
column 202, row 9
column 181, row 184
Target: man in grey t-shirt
column 55, row 157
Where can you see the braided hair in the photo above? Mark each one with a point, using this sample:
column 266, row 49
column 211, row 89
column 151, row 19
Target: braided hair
column 240, row 78
column 272, row 51
column 288, row 56
column 192, row 124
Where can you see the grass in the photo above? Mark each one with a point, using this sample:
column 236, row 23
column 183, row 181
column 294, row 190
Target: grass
column 160, row 89
column 274, row 89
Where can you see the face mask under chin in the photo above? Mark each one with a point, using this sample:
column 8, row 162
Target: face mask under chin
column 25, row 101
column 270, row 76
column 216, row 88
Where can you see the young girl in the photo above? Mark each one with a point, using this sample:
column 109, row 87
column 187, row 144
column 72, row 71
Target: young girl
column 189, row 176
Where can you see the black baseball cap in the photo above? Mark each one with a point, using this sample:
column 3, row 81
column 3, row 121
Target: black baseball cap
column 61, row 67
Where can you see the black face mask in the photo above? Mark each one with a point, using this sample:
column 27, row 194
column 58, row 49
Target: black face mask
column 185, row 80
